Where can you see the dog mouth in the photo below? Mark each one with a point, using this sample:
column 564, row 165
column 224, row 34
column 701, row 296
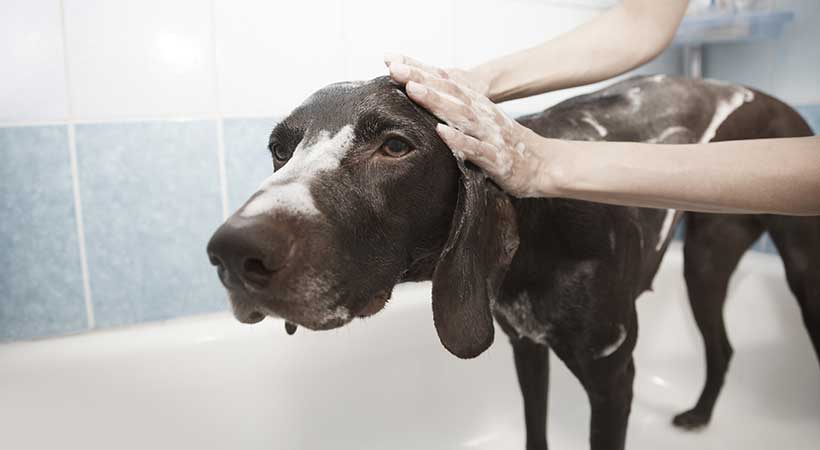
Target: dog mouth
column 251, row 316
column 376, row 304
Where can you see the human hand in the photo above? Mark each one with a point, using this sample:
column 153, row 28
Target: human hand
column 477, row 130
column 467, row 78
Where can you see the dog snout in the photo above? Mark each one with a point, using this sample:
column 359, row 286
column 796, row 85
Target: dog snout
column 250, row 253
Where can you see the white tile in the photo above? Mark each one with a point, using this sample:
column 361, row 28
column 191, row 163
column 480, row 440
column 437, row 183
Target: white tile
column 32, row 66
column 486, row 29
column 140, row 59
column 272, row 55
column 422, row 29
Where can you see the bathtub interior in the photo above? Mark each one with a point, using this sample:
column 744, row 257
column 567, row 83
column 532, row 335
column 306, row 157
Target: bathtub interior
column 211, row 383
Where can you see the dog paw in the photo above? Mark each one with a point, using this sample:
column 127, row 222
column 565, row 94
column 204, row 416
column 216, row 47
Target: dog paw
column 691, row 420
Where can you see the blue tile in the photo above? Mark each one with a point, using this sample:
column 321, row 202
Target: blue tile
column 150, row 193
column 768, row 246
column 765, row 245
column 247, row 159
column 680, row 231
column 760, row 244
column 41, row 291
column 812, row 115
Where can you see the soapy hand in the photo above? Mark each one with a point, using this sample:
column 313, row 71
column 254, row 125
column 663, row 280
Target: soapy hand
column 477, row 130
column 462, row 77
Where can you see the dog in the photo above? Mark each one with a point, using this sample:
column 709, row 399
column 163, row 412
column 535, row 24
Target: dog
column 364, row 195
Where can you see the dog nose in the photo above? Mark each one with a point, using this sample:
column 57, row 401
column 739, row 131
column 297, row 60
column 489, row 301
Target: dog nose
column 249, row 252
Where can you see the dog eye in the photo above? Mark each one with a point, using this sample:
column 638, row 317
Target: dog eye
column 395, row 147
column 280, row 152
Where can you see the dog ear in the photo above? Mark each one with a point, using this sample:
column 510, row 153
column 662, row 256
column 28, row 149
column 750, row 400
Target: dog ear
column 482, row 242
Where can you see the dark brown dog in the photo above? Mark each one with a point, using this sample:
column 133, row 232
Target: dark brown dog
column 365, row 195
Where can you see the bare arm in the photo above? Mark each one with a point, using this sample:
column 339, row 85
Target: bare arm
column 620, row 39
column 777, row 176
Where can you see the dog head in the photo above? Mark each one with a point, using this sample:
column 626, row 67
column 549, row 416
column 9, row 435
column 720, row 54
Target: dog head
column 365, row 195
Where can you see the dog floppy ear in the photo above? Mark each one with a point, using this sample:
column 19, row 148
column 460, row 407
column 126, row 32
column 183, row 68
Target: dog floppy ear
column 482, row 241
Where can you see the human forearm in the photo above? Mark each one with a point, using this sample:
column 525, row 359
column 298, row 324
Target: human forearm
column 779, row 176
column 617, row 41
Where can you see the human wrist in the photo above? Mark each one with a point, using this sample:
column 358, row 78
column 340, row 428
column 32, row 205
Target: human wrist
column 487, row 76
column 511, row 77
column 558, row 172
column 551, row 164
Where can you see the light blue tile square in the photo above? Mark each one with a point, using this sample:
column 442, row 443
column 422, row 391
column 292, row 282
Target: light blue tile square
column 41, row 291
column 247, row 159
column 150, row 193
column 768, row 246
column 680, row 231
column 812, row 115
column 765, row 244
column 760, row 244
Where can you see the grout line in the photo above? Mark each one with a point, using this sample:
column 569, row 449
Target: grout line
column 75, row 179
column 220, row 155
column 583, row 4
column 451, row 35
column 78, row 214
column 217, row 117
column 220, row 123
column 272, row 116
column 157, row 118
column 345, row 38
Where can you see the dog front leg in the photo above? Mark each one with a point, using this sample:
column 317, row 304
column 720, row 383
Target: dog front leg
column 532, row 367
column 610, row 400
column 607, row 378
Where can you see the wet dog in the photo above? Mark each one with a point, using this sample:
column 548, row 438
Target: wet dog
column 364, row 195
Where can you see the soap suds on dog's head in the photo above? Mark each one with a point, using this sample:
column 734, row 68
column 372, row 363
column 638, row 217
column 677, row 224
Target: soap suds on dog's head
column 288, row 189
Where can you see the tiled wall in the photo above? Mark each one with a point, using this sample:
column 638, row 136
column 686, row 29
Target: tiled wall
column 149, row 194
column 41, row 282
column 129, row 129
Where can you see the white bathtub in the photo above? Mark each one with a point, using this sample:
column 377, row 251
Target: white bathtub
column 212, row 383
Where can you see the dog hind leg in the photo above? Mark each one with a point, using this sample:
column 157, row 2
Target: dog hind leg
column 798, row 241
column 713, row 246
